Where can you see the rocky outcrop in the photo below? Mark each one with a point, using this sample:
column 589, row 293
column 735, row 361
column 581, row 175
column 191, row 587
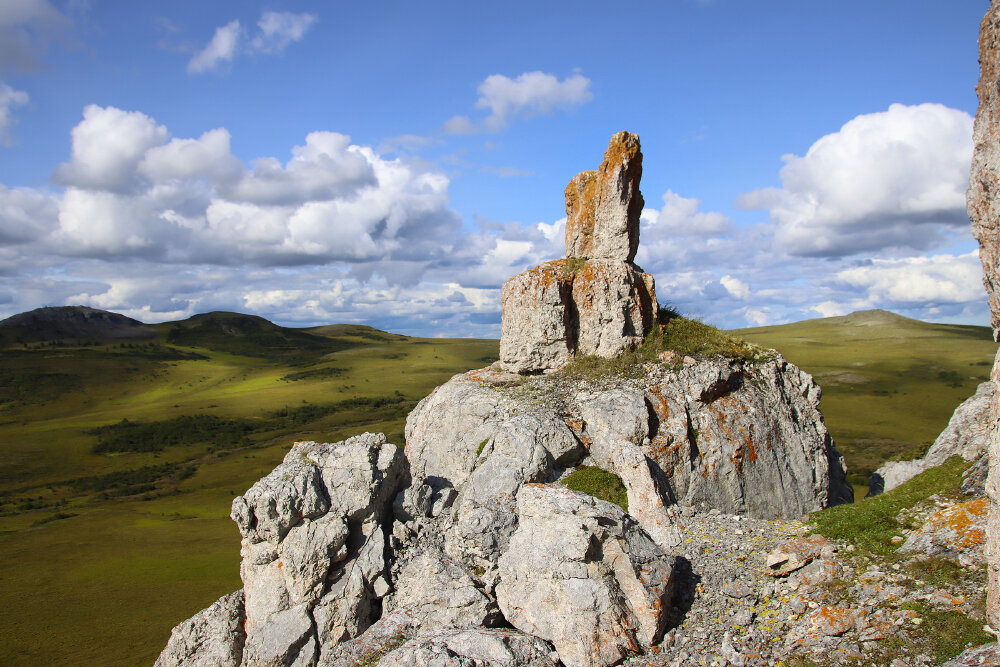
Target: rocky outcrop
column 603, row 206
column 581, row 574
column 966, row 436
column 211, row 638
column 354, row 554
column 983, row 199
column 596, row 301
column 314, row 552
column 956, row 532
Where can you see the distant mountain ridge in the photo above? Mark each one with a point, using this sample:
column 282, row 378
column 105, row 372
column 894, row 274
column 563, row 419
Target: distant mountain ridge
column 71, row 323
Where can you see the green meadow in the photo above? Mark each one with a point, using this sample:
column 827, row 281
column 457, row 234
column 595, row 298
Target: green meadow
column 890, row 384
column 119, row 461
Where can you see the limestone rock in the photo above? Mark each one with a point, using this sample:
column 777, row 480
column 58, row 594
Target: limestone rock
column 603, row 206
column 965, row 436
column 745, row 440
column 615, row 307
column 980, row 656
column 471, row 648
column 983, row 201
column 565, row 308
column 796, row 554
column 438, row 593
column 314, row 545
column 211, row 638
column 596, row 301
column 471, row 447
column 957, row 532
column 582, row 574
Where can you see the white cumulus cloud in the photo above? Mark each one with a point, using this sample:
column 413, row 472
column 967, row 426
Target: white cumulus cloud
column 889, row 180
column 932, row 280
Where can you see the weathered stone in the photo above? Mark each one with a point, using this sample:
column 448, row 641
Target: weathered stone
column 983, row 202
column 745, row 440
column 471, row 648
column 603, row 206
column 615, row 307
column 564, row 308
column 616, row 422
column 314, row 541
column 213, row 637
column 438, row 593
column 965, row 436
column 796, row 553
column 582, row 574
column 475, row 444
column 980, row 656
column 957, row 532
column 538, row 326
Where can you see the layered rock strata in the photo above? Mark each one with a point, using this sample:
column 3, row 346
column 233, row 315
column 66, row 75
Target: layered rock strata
column 595, row 301
column 983, row 199
column 966, row 435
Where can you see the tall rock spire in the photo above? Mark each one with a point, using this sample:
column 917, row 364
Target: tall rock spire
column 603, row 206
column 596, row 301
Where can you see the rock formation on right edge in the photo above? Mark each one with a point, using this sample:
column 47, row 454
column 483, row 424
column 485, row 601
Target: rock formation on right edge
column 983, row 199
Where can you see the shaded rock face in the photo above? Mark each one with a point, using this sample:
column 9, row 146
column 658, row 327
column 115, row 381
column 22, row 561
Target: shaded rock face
column 983, row 200
column 745, row 441
column 966, row 435
column 583, row 575
column 596, row 301
column 603, row 206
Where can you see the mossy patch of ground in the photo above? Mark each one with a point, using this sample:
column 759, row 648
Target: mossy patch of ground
column 598, row 483
column 870, row 523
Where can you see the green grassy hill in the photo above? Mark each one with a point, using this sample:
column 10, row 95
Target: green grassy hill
column 890, row 383
column 119, row 461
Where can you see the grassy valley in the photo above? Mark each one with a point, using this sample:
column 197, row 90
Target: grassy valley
column 890, row 384
column 119, row 460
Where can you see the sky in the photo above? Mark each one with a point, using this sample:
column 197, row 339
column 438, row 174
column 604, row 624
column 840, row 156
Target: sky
column 393, row 163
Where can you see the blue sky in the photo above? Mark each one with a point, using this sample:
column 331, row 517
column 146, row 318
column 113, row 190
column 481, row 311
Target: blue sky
column 393, row 163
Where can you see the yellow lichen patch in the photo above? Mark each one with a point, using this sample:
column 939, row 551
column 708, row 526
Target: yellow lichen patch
column 967, row 520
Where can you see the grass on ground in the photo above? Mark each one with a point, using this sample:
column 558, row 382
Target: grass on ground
column 598, row 483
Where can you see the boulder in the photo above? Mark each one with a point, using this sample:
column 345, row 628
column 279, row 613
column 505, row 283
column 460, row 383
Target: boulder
column 956, row 532
column 314, row 547
column 582, row 574
column 565, row 308
column 213, row 637
column 471, row 446
column 983, row 204
column 437, row 592
column 796, row 554
column 472, row 648
column 745, row 439
column 603, row 206
column 965, row 436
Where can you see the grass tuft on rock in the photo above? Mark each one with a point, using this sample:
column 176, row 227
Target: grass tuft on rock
column 685, row 336
column 598, row 483
column 870, row 524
